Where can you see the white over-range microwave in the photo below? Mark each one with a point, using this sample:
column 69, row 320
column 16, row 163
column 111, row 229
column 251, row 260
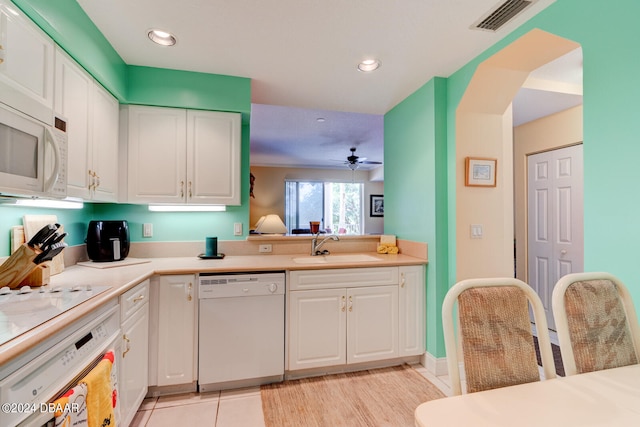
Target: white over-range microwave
column 33, row 155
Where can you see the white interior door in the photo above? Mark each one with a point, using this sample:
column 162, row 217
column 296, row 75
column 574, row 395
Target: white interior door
column 555, row 220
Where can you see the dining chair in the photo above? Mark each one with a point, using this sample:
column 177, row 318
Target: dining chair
column 596, row 323
column 495, row 334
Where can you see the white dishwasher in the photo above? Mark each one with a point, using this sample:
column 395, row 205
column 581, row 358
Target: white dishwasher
column 241, row 330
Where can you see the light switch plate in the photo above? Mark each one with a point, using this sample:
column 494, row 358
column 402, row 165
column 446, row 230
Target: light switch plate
column 237, row 229
column 476, row 231
column 147, row 230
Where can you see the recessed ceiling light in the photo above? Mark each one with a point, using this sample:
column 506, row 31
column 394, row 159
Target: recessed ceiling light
column 320, row 119
column 162, row 37
column 369, row 65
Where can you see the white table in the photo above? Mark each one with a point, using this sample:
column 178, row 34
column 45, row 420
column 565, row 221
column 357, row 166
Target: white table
column 604, row 398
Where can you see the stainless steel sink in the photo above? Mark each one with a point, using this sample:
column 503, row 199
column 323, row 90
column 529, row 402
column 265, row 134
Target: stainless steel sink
column 335, row 259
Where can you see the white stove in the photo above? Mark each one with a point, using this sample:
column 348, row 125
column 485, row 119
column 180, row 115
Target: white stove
column 25, row 308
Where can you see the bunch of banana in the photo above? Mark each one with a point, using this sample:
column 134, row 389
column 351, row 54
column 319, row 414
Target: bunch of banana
column 387, row 248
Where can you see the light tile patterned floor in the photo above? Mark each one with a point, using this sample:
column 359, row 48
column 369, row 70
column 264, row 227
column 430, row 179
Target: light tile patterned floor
column 231, row 408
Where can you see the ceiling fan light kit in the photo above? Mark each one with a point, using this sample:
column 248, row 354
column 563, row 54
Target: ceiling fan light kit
column 353, row 161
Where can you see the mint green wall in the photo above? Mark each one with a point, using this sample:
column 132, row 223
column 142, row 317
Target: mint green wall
column 173, row 88
column 611, row 95
column 611, row 126
column 415, row 153
column 69, row 26
column 74, row 222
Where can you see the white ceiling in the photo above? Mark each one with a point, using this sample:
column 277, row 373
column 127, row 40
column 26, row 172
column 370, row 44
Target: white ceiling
column 302, row 55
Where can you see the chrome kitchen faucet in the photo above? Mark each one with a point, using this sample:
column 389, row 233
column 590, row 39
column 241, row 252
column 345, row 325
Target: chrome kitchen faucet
column 315, row 247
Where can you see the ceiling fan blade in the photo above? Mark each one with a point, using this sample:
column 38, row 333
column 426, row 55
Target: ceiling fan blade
column 371, row 163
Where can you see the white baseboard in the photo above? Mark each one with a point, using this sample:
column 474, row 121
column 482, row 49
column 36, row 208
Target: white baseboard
column 435, row 365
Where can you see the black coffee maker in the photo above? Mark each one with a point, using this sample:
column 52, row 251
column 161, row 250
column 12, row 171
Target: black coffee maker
column 108, row 240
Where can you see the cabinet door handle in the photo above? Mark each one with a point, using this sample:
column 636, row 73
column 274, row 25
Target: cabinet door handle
column 343, row 304
column 402, row 280
column 124, row 337
column 1, row 54
column 181, row 188
column 138, row 298
column 189, row 297
column 350, row 303
column 190, row 192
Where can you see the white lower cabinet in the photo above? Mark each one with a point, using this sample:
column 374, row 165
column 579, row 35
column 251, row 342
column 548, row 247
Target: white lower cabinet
column 337, row 317
column 175, row 337
column 372, row 323
column 412, row 296
column 134, row 351
column 317, row 328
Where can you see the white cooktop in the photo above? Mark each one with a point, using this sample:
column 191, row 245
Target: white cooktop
column 24, row 309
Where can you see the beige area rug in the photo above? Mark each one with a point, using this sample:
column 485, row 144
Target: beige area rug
column 377, row 397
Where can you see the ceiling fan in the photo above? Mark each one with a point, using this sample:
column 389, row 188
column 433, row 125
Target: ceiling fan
column 354, row 161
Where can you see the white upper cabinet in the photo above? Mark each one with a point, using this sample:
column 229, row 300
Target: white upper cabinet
column 213, row 157
column 104, row 169
column 92, row 114
column 26, row 64
column 182, row 156
column 157, row 154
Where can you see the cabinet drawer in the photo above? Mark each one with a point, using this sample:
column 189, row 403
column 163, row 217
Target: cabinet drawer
column 133, row 299
column 342, row 278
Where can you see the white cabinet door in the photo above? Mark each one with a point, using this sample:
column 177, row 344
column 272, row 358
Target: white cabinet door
column 157, row 155
column 104, row 170
column 134, row 359
column 26, row 66
column 213, row 158
column 93, row 116
column 412, row 310
column 372, row 323
column 176, row 330
column 317, row 328
column 74, row 89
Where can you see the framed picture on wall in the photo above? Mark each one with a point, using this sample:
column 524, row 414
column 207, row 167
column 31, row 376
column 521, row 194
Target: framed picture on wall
column 480, row 172
column 376, row 205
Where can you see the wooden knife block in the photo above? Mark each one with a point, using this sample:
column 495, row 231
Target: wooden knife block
column 18, row 267
column 40, row 276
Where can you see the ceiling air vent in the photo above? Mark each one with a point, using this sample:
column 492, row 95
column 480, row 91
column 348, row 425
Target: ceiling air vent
column 502, row 14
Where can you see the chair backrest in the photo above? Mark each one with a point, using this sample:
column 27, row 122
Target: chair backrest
column 495, row 333
column 596, row 323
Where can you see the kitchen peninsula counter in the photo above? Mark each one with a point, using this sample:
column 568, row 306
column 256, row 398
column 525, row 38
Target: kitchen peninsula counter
column 123, row 278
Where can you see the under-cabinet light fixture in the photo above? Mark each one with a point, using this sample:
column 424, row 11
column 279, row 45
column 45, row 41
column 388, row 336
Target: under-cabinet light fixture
column 68, row 203
column 187, row 208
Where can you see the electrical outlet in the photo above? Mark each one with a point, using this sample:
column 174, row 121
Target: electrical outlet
column 237, row 229
column 147, row 230
column 265, row 248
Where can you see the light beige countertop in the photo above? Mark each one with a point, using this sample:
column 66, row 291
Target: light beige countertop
column 123, row 278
